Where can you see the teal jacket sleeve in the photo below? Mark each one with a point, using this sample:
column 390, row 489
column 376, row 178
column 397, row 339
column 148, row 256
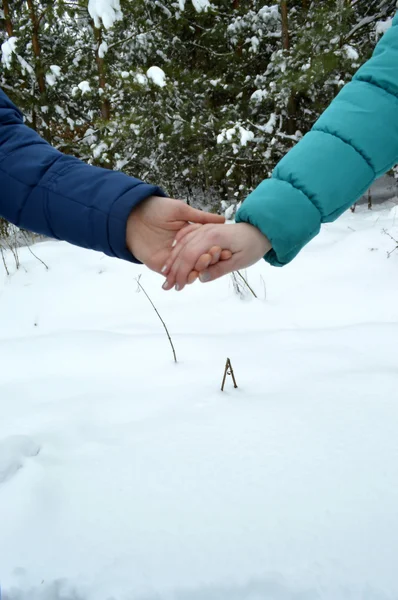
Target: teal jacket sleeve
column 353, row 142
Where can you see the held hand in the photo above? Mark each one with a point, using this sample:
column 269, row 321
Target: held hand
column 191, row 253
column 152, row 227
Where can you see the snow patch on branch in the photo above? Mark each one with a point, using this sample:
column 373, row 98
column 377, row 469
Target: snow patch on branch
column 8, row 48
column 102, row 50
column 52, row 76
column 237, row 131
column 107, row 11
column 350, row 52
column 259, row 95
column 383, row 26
column 201, row 5
column 84, row 87
column 157, row 76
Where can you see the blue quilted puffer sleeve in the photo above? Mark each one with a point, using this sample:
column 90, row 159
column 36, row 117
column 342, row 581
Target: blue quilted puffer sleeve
column 60, row 196
column 353, row 142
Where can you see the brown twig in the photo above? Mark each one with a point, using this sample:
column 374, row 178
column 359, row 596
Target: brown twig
column 31, row 251
column 4, row 260
column 157, row 312
column 228, row 371
column 394, row 240
column 247, row 284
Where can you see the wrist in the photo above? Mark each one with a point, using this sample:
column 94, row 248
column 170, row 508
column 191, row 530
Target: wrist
column 261, row 239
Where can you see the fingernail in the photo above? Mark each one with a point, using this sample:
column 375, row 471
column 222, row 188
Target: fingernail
column 165, row 286
column 174, row 244
column 177, row 288
column 205, row 276
column 164, row 269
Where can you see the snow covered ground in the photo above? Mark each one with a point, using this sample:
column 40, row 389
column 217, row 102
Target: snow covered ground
column 126, row 477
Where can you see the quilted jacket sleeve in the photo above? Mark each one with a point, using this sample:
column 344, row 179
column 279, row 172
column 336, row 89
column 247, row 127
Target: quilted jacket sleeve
column 48, row 192
column 354, row 142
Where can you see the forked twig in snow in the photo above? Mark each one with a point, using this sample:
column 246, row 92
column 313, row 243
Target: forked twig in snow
column 394, row 240
column 228, row 371
column 157, row 312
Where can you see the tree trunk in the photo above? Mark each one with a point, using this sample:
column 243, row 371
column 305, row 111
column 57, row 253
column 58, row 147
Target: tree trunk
column 285, row 26
column 41, row 82
column 292, row 105
column 105, row 106
column 36, row 48
column 7, row 18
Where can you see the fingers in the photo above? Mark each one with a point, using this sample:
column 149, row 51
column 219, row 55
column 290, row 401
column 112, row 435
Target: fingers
column 192, row 253
column 205, row 261
column 224, row 267
column 184, row 237
column 190, row 257
column 225, row 255
column 192, row 277
column 188, row 213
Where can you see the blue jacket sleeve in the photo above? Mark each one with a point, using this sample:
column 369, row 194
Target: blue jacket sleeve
column 60, row 196
column 354, row 141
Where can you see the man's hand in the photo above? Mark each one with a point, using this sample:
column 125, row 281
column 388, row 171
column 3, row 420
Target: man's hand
column 153, row 225
column 246, row 243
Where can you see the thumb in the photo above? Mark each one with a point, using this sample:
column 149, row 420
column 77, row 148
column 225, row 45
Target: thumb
column 219, row 269
column 188, row 213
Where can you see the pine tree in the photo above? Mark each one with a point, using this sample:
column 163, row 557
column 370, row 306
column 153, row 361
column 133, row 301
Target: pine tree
column 202, row 99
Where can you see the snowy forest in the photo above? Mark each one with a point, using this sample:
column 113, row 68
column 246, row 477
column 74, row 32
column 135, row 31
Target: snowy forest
column 202, row 98
column 237, row 439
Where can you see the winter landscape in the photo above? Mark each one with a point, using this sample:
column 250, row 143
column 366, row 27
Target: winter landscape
column 126, row 476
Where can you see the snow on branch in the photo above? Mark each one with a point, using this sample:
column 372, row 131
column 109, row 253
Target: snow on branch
column 107, row 11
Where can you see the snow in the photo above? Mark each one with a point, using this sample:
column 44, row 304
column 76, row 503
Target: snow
column 350, row 52
column 141, row 79
column 201, row 5
column 269, row 13
column 229, row 212
column 13, row 452
column 107, row 11
column 157, row 76
column 259, row 95
column 103, row 49
column 26, row 67
column 255, row 43
column 8, row 48
column 127, row 476
column 59, row 110
column 227, row 135
column 99, row 149
column 51, row 77
column 383, row 26
column 245, row 136
column 56, row 70
column 84, row 87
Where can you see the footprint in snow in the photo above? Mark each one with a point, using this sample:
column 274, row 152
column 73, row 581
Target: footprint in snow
column 13, row 452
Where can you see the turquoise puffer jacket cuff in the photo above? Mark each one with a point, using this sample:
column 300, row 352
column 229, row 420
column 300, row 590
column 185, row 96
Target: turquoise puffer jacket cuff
column 288, row 225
